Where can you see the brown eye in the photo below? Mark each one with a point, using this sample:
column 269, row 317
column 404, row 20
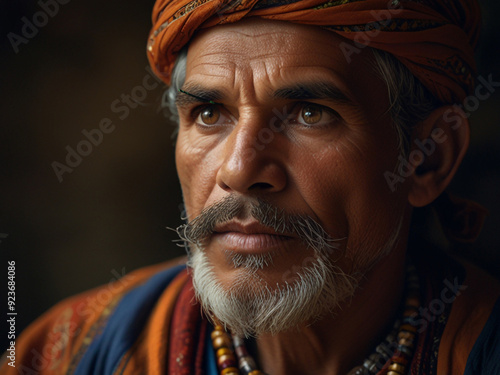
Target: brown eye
column 210, row 115
column 312, row 114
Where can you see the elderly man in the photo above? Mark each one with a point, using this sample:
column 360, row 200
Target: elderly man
column 309, row 132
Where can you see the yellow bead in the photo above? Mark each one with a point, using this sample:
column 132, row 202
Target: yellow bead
column 406, row 335
column 224, row 351
column 406, row 342
column 216, row 333
column 230, row 371
column 397, row 367
column 221, row 341
column 256, row 372
column 394, row 373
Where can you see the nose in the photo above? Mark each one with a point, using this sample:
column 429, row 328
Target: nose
column 251, row 161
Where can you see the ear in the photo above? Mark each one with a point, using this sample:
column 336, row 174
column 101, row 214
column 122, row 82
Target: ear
column 440, row 143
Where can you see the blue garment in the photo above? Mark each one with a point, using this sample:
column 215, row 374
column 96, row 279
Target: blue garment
column 124, row 325
column 211, row 364
column 484, row 358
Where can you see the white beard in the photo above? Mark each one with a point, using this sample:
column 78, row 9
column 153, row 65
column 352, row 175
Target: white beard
column 250, row 306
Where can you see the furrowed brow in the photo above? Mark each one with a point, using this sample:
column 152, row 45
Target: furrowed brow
column 311, row 90
column 194, row 93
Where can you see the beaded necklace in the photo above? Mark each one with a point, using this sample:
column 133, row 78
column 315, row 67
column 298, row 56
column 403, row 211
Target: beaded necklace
column 393, row 354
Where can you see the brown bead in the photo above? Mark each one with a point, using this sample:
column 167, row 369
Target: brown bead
column 413, row 301
column 221, row 341
column 241, row 351
column 406, row 335
column 230, row 371
column 400, row 360
column 408, row 327
column 226, row 358
column 256, row 372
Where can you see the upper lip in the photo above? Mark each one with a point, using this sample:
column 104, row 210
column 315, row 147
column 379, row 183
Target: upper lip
column 253, row 227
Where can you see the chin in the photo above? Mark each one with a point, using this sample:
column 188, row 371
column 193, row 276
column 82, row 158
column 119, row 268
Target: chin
column 254, row 298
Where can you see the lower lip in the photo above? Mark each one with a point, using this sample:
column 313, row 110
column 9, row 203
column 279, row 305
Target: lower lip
column 255, row 243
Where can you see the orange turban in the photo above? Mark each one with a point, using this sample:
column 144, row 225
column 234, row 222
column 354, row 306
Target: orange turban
column 435, row 39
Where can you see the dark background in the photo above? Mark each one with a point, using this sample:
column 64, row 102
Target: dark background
column 109, row 214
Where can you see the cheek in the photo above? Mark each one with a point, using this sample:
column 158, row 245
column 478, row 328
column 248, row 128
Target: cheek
column 343, row 182
column 197, row 169
column 320, row 181
column 373, row 211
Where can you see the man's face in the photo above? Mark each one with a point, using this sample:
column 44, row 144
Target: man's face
column 297, row 126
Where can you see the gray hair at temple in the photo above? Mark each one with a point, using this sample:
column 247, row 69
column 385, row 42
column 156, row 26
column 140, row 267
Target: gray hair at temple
column 410, row 101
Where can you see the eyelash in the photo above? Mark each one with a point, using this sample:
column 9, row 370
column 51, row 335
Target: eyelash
column 299, row 106
column 195, row 112
column 294, row 113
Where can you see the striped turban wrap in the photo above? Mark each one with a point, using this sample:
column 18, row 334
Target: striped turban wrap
column 434, row 39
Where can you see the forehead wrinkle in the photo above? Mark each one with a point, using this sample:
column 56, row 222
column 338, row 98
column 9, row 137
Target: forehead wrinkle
column 232, row 65
column 282, row 40
column 212, row 75
column 220, row 64
column 260, row 34
column 210, row 53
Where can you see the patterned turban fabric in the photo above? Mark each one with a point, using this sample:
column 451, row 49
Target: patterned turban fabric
column 434, row 39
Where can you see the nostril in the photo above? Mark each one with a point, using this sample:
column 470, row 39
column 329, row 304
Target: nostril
column 261, row 186
column 262, row 175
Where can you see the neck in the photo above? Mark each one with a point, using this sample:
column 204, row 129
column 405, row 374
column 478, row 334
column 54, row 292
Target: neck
column 342, row 340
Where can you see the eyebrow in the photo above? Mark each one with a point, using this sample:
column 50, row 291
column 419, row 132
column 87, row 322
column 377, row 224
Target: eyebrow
column 194, row 93
column 311, row 90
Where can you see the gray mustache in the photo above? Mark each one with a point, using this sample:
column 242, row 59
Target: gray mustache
column 312, row 234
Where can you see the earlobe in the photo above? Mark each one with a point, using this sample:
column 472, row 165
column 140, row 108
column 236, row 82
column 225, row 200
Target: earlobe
column 440, row 142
